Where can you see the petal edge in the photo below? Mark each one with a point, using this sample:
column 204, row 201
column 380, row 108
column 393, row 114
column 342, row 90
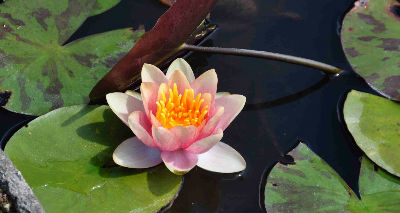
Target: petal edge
column 151, row 73
column 183, row 66
column 206, row 83
column 180, row 161
column 123, row 104
column 233, row 105
column 165, row 139
column 132, row 153
column 222, row 158
column 205, row 144
column 141, row 127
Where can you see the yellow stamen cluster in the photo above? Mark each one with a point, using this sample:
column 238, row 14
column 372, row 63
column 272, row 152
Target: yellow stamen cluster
column 181, row 110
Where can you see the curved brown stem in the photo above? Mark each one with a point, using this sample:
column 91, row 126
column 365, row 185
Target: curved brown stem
column 267, row 55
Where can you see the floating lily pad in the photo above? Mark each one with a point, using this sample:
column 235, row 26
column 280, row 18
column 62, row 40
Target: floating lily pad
column 66, row 157
column 311, row 185
column 371, row 42
column 374, row 123
column 41, row 72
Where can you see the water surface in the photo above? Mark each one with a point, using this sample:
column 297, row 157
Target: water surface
column 285, row 103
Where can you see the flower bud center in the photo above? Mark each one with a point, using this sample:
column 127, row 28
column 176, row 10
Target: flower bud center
column 182, row 110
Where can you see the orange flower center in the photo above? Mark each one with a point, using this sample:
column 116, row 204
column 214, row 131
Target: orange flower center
column 181, row 110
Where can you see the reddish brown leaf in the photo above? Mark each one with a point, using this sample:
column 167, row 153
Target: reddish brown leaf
column 172, row 29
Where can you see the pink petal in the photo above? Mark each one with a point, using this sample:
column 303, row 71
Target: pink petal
column 132, row 153
column 180, row 80
column 183, row 66
column 149, row 92
column 185, row 135
column 154, row 120
column 205, row 144
column 151, row 73
column 180, row 161
column 122, row 105
column 232, row 104
column 206, row 83
column 212, row 122
column 141, row 127
column 165, row 139
column 207, row 99
column 221, row 158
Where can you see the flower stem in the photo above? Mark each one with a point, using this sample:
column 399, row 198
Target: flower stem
column 262, row 54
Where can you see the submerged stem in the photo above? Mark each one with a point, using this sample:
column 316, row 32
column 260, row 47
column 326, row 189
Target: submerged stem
column 268, row 55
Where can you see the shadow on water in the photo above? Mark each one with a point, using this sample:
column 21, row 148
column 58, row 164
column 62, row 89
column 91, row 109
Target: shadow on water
column 285, row 103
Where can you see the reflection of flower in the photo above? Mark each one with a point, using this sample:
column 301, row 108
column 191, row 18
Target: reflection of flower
column 178, row 120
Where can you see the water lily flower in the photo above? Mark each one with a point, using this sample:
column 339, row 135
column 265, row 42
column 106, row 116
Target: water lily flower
column 178, row 120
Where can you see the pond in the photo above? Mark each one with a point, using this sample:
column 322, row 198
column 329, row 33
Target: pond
column 286, row 103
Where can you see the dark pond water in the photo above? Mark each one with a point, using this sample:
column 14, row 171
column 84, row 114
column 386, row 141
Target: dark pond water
column 285, row 103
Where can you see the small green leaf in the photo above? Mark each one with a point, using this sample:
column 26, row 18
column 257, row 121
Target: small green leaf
column 371, row 42
column 311, row 185
column 66, row 157
column 374, row 123
column 40, row 71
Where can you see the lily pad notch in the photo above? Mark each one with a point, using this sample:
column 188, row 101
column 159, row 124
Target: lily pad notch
column 311, row 185
column 37, row 71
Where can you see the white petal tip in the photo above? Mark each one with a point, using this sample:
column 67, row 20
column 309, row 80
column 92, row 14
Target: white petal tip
column 123, row 104
column 220, row 94
column 181, row 65
column 132, row 153
column 181, row 60
column 241, row 98
column 111, row 96
column 222, row 159
column 145, row 65
column 134, row 94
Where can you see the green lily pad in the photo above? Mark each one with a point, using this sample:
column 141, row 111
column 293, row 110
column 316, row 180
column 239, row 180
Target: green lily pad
column 371, row 42
column 66, row 157
column 374, row 123
column 41, row 72
column 311, row 185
